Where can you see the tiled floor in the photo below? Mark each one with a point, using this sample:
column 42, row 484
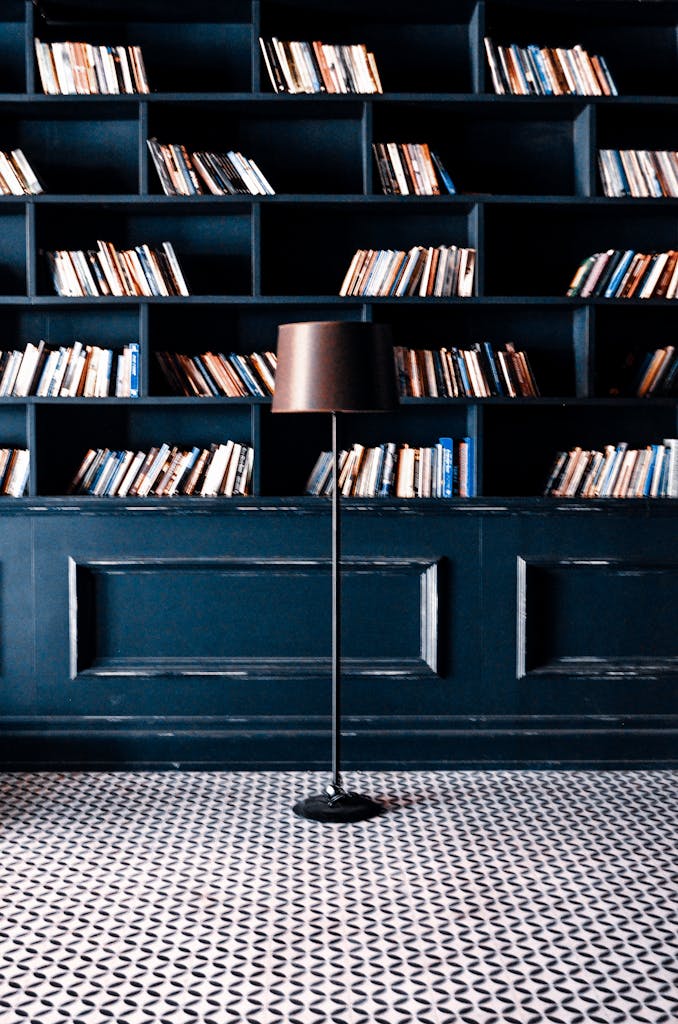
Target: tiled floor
column 479, row 897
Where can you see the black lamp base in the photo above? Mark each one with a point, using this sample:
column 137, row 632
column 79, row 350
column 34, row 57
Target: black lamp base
column 336, row 804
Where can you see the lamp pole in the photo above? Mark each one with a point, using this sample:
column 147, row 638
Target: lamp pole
column 336, row 789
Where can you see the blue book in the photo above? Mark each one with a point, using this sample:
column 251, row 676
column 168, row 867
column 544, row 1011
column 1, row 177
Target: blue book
column 470, row 467
column 538, row 64
column 134, row 369
column 447, row 445
column 650, row 471
column 443, row 174
column 617, row 276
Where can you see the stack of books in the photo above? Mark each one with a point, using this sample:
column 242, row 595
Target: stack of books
column 627, row 274
column 68, row 69
column 443, row 470
column 643, row 173
column 78, row 370
column 478, row 372
column 424, row 271
column 194, row 174
column 616, row 472
column 110, row 271
column 547, row 71
column 411, row 169
column 297, row 67
column 221, row 470
column 17, row 177
column 14, row 470
column 235, row 375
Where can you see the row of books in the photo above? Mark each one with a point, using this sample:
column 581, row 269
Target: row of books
column 477, row 372
column 443, row 470
column 78, row 370
column 616, row 472
column 658, row 373
column 425, row 271
column 646, row 173
column 547, row 71
column 14, row 470
column 194, row 174
column 214, row 373
column 110, row 271
column 411, row 169
column 222, row 469
column 299, row 67
column 68, row 69
column 17, row 177
column 627, row 274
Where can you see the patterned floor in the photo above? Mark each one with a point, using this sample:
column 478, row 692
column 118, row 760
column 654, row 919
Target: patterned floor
column 479, row 897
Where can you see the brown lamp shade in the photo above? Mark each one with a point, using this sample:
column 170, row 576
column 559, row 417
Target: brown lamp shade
column 334, row 366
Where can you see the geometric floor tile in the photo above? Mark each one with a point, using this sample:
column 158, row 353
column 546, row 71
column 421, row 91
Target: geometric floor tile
column 479, row 897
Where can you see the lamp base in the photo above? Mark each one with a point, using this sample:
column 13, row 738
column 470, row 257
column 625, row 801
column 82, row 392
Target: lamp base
column 336, row 804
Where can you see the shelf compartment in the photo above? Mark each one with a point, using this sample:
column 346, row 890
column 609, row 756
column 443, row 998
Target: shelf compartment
column 73, row 149
column 12, row 47
column 299, row 148
column 536, row 250
column 520, row 443
column 207, row 48
column 423, row 51
column 545, row 334
column 119, row 425
column 623, row 333
column 213, row 250
column 300, row 253
column 292, row 442
column 13, row 232
column 489, row 149
column 638, row 41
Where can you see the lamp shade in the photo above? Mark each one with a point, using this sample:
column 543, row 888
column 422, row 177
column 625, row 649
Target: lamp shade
column 334, row 366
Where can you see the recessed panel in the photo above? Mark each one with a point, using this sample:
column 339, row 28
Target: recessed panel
column 597, row 617
column 258, row 618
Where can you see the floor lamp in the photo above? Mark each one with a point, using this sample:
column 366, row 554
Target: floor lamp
column 335, row 367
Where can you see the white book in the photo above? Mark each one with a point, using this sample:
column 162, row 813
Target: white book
column 168, row 249
column 654, row 275
column 131, row 474
column 16, row 485
column 215, row 470
column 29, row 364
column 10, row 176
column 10, row 374
column 26, row 171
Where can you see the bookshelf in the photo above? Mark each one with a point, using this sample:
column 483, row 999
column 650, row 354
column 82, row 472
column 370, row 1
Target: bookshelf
column 529, row 200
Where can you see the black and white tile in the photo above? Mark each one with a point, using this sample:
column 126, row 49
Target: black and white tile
column 507, row 897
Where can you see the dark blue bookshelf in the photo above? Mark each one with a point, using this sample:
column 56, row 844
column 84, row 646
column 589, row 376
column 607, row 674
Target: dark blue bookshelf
column 188, row 631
